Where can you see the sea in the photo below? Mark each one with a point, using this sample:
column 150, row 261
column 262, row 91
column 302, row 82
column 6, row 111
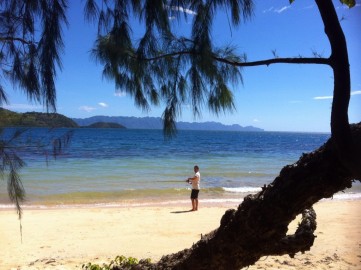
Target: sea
column 131, row 167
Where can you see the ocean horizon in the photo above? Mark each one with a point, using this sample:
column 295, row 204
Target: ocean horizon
column 117, row 167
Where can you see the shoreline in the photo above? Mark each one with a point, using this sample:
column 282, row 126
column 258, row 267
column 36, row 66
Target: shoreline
column 208, row 201
column 66, row 238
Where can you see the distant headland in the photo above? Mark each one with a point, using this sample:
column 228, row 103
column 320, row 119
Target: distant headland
column 54, row 120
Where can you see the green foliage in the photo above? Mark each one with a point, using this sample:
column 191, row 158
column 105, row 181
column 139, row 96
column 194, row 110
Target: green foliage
column 10, row 164
column 349, row 3
column 120, row 262
column 31, row 43
column 164, row 67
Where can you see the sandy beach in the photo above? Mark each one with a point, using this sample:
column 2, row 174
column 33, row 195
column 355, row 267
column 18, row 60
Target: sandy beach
column 66, row 238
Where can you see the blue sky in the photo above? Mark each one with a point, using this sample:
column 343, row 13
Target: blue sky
column 276, row 98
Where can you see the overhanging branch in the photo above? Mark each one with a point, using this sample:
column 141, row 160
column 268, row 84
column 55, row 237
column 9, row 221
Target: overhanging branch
column 267, row 62
column 296, row 60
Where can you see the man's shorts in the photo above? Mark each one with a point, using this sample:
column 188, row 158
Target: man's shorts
column 194, row 194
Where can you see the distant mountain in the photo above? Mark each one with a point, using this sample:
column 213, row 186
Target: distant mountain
column 34, row 119
column 156, row 123
column 215, row 126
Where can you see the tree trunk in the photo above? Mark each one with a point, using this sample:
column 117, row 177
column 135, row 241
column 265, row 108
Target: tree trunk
column 340, row 128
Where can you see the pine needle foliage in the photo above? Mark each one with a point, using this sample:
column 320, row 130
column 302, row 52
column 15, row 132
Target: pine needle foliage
column 30, row 47
column 31, row 43
column 13, row 144
column 11, row 163
column 164, row 67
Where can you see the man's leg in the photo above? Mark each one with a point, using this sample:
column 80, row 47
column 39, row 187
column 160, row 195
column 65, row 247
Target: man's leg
column 196, row 204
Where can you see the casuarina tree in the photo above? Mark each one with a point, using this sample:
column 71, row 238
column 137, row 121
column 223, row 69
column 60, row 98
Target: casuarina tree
column 166, row 68
column 173, row 70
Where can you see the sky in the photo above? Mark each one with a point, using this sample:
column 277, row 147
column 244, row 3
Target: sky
column 279, row 97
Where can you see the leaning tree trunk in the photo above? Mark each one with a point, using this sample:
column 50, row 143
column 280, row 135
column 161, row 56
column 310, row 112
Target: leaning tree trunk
column 259, row 226
column 339, row 63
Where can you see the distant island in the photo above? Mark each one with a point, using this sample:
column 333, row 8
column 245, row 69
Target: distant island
column 54, row 120
column 105, row 125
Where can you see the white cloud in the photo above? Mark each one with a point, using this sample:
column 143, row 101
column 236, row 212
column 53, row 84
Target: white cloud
column 276, row 10
column 185, row 10
column 87, row 108
column 120, row 94
column 256, row 120
column 280, row 10
column 268, row 10
column 22, row 107
column 353, row 93
column 102, row 104
column 323, row 97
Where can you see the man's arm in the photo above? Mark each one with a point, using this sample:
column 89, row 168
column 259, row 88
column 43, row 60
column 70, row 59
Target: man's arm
column 194, row 178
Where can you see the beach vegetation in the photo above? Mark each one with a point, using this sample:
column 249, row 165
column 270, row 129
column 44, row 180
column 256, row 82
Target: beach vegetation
column 170, row 70
column 119, row 262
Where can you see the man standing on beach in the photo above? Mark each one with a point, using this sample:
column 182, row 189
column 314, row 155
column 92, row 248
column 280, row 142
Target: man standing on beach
column 194, row 181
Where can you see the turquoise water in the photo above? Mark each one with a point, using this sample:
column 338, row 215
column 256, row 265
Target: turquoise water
column 119, row 167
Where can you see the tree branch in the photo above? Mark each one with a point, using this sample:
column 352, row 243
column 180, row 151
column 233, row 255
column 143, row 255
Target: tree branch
column 11, row 39
column 301, row 241
column 296, row 60
column 267, row 62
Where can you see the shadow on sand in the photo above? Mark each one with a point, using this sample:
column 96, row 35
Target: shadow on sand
column 182, row 212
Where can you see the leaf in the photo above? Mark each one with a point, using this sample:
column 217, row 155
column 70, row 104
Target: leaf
column 349, row 3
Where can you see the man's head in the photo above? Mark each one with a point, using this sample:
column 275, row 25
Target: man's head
column 196, row 168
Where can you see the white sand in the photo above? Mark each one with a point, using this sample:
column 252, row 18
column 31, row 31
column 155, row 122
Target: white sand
column 67, row 238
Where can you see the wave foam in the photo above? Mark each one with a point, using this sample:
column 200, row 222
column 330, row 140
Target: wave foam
column 346, row 196
column 243, row 189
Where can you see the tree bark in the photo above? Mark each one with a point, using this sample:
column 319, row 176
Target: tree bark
column 339, row 63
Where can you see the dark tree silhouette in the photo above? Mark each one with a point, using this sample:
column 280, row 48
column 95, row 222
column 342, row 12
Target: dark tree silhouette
column 30, row 47
column 157, row 69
